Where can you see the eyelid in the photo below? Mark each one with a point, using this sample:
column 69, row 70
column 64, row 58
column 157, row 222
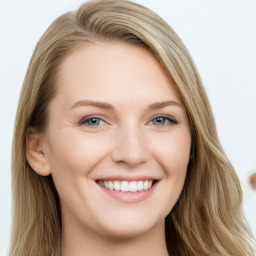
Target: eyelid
column 171, row 119
column 86, row 118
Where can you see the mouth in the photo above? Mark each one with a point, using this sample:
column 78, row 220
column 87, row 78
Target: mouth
column 128, row 189
column 127, row 186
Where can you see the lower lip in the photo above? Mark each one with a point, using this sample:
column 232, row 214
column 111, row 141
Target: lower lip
column 129, row 197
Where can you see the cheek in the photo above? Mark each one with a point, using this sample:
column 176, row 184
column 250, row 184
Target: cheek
column 73, row 154
column 172, row 151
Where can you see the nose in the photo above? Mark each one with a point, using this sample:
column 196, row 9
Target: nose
column 130, row 147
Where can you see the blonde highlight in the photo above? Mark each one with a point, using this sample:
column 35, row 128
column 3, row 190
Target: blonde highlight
column 212, row 189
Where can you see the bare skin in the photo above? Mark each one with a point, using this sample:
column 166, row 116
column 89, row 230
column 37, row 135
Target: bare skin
column 116, row 117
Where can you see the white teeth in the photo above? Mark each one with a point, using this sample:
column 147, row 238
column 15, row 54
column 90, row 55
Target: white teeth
column 105, row 184
column 125, row 186
column 140, row 186
column 145, row 185
column 117, row 185
column 133, row 187
column 110, row 185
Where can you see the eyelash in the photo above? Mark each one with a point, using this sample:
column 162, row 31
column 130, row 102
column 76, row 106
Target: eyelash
column 85, row 121
column 166, row 118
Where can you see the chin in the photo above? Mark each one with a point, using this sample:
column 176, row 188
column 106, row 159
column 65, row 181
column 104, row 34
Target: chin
column 130, row 227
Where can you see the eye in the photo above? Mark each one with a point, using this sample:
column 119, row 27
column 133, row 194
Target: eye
column 92, row 121
column 162, row 121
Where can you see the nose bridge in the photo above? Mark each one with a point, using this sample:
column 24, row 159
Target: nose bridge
column 130, row 145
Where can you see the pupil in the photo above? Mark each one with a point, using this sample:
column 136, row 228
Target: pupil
column 93, row 121
column 160, row 120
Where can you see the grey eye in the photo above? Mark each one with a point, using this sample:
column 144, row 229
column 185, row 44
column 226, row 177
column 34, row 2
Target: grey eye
column 159, row 120
column 163, row 120
column 93, row 121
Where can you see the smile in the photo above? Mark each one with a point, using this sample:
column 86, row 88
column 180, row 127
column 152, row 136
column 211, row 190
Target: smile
column 128, row 189
column 127, row 186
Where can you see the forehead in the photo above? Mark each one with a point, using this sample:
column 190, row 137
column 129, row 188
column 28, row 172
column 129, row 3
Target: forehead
column 108, row 70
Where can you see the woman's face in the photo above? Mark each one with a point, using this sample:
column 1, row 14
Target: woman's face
column 115, row 123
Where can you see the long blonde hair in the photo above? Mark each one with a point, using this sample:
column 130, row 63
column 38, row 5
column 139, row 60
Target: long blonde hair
column 208, row 218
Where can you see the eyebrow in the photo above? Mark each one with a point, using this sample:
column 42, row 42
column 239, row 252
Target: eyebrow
column 105, row 105
column 163, row 104
column 98, row 104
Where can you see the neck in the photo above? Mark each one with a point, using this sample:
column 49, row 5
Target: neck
column 83, row 243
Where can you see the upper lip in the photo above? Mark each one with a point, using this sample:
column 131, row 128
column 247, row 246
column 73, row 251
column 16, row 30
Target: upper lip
column 127, row 178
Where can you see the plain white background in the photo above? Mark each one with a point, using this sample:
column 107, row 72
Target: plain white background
column 221, row 37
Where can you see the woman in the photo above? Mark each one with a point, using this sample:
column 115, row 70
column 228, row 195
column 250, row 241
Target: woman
column 115, row 149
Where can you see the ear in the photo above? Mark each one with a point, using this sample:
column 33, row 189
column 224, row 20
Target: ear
column 35, row 152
